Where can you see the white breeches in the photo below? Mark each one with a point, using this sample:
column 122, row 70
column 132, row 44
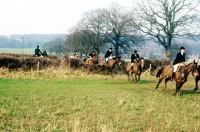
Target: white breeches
column 176, row 66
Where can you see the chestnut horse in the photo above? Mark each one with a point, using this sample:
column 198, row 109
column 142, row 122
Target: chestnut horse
column 111, row 64
column 180, row 76
column 90, row 61
column 136, row 69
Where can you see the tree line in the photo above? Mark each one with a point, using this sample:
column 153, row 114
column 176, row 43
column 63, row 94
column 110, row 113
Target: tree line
column 123, row 29
column 163, row 22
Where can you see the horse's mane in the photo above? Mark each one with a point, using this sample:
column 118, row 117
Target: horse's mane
column 191, row 63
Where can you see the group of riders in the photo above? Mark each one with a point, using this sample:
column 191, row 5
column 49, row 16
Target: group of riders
column 179, row 60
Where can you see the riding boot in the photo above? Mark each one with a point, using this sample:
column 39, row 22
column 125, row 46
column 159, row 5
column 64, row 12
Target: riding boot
column 173, row 74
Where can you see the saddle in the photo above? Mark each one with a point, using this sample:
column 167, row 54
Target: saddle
column 182, row 70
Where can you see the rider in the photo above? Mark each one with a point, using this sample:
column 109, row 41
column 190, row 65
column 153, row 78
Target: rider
column 134, row 58
column 179, row 61
column 37, row 51
column 108, row 54
column 92, row 54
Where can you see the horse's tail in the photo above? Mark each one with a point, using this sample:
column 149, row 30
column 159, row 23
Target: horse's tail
column 159, row 72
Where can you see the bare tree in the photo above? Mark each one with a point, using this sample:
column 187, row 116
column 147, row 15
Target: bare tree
column 79, row 40
column 56, row 45
column 120, row 28
column 93, row 26
column 164, row 20
column 49, row 46
column 113, row 26
column 87, row 36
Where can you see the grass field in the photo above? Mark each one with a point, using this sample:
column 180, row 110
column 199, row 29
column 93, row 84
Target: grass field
column 17, row 50
column 61, row 100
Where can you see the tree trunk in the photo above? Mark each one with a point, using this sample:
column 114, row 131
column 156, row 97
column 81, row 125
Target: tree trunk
column 168, row 54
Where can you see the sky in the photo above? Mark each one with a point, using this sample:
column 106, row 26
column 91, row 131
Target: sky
column 47, row 16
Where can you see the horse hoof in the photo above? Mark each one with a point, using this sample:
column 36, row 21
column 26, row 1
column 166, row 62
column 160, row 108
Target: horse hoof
column 195, row 89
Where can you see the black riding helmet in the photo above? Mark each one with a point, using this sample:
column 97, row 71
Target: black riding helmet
column 182, row 48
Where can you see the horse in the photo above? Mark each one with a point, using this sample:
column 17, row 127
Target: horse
column 136, row 69
column 90, row 61
column 180, row 76
column 44, row 53
column 111, row 64
column 197, row 79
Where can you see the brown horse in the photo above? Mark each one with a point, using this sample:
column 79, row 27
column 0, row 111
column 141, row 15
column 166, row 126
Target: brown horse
column 136, row 69
column 102, row 62
column 180, row 76
column 111, row 64
column 90, row 61
column 197, row 79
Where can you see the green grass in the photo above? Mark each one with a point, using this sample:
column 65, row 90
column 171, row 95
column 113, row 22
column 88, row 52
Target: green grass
column 79, row 102
column 18, row 50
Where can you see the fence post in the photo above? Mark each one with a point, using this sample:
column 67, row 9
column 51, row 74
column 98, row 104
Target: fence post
column 38, row 64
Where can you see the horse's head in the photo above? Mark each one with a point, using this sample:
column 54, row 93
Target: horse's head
column 118, row 60
column 195, row 71
column 192, row 67
column 142, row 62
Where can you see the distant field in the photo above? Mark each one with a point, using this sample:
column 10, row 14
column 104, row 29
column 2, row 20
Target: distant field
column 18, row 51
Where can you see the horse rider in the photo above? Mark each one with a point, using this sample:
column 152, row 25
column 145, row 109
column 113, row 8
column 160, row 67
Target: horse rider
column 37, row 51
column 108, row 55
column 76, row 54
column 92, row 54
column 179, row 61
column 134, row 58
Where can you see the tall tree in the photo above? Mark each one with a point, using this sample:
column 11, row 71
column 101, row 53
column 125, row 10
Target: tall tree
column 164, row 20
column 92, row 24
column 120, row 28
column 78, row 40
column 58, row 45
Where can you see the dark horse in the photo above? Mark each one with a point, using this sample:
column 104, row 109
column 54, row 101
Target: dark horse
column 111, row 64
column 197, row 79
column 180, row 76
column 137, row 68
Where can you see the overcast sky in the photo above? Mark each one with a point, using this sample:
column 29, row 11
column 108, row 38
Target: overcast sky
column 47, row 16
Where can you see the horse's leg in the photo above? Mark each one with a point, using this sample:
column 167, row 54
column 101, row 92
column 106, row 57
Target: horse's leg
column 178, row 85
column 132, row 75
column 166, row 80
column 160, row 80
column 135, row 77
column 112, row 73
column 181, row 84
column 139, row 77
column 129, row 75
column 196, row 81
